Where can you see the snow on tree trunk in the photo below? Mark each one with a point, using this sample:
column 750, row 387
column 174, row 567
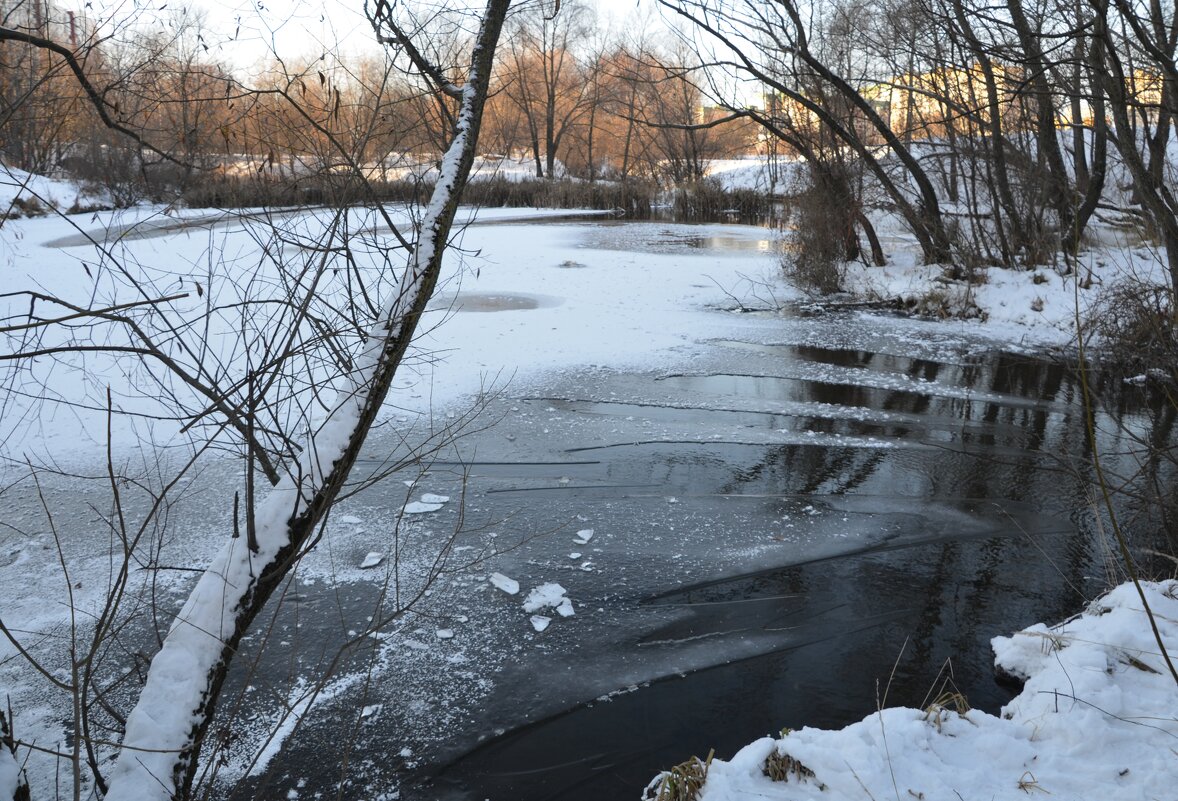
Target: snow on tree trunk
column 165, row 730
column 13, row 786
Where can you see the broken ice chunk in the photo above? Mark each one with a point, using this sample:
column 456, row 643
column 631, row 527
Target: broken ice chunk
column 417, row 507
column 509, row 586
column 429, row 497
column 565, row 608
column 539, row 622
column 445, row 634
column 575, row 555
column 351, row 520
column 373, row 559
column 369, row 711
column 550, row 594
column 583, row 536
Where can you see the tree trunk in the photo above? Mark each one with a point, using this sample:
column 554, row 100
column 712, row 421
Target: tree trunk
column 1059, row 188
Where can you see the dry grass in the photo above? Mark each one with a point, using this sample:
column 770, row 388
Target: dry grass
column 780, row 767
column 682, row 782
column 946, row 703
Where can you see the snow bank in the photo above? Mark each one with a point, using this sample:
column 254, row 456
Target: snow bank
column 755, row 173
column 1096, row 719
column 48, row 192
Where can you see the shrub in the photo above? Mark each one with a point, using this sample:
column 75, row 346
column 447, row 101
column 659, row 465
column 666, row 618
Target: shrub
column 1138, row 329
column 822, row 238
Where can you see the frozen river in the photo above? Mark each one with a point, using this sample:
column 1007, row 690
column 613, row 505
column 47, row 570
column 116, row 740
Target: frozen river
column 774, row 521
column 782, row 524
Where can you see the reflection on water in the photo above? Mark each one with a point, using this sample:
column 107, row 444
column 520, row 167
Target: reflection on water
column 960, row 522
column 671, row 238
column 483, row 302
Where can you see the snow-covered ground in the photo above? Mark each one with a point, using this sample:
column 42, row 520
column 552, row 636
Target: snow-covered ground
column 1036, row 307
column 1095, row 720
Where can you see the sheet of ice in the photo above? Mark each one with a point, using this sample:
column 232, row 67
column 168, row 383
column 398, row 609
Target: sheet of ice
column 429, row 497
column 420, row 507
column 508, row 585
column 444, row 634
column 1095, row 720
column 373, row 559
column 583, row 536
column 350, row 520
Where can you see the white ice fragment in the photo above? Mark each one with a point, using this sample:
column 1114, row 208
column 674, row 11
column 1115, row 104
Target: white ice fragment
column 565, row 608
column 408, row 482
column 539, row 622
column 429, row 497
column 462, row 619
column 373, row 559
column 351, row 520
column 369, row 711
column 445, row 634
column 550, row 594
column 583, row 536
column 587, row 567
column 575, row 555
column 509, row 586
column 406, row 752
column 417, row 507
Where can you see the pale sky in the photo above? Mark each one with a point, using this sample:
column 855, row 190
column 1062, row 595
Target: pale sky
column 301, row 28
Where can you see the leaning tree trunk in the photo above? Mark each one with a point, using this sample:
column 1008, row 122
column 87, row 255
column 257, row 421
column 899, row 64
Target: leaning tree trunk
column 165, row 730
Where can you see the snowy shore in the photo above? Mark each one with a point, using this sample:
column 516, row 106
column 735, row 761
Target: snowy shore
column 1096, row 719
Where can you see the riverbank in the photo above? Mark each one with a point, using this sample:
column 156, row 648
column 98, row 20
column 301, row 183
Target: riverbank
column 1095, row 719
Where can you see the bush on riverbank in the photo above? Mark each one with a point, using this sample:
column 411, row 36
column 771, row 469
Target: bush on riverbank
column 638, row 199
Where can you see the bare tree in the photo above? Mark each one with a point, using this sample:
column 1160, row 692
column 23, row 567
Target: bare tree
column 546, row 83
column 771, row 43
column 299, row 446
